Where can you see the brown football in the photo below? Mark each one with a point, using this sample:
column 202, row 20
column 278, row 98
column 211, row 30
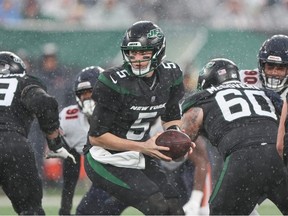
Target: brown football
column 178, row 142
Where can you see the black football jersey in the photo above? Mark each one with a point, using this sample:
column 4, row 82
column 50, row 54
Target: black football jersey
column 14, row 116
column 235, row 115
column 136, row 103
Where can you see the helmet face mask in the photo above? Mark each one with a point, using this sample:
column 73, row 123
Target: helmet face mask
column 88, row 106
column 140, row 66
column 10, row 63
column 274, row 83
column 274, row 76
column 273, row 52
column 216, row 72
column 143, row 36
column 84, row 84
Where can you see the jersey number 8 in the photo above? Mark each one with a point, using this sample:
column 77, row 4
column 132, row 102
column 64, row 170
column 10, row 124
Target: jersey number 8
column 7, row 90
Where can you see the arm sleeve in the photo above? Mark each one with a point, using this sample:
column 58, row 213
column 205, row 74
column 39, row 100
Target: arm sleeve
column 106, row 96
column 101, row 120
column 44, row 106
column 105, row 111
column 173, row 111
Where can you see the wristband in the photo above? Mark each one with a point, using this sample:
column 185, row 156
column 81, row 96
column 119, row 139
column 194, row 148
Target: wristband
column 174, row 127
column 54, row 144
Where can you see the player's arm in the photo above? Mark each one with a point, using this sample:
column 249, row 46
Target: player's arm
column 281, row 130
column 100, row 135
column 200, row 161
column 192, row 122
column 45, row 107
column 112, row 142
column 172, row 116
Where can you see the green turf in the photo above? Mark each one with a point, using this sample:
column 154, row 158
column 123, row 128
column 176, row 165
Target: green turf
column 51, row 202
column 266, row 208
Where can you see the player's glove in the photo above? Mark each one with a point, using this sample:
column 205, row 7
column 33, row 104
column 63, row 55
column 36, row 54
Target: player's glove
column 57, row 149
column 60, row 153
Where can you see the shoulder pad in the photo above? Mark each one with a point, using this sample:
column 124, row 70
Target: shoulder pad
column 168, row 68
column 194, row 100
column 32, row 80
column 117, row 79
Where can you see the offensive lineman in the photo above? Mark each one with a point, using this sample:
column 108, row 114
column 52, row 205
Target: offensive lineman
column 225, row 110
column 270, row 74
column 22, row 98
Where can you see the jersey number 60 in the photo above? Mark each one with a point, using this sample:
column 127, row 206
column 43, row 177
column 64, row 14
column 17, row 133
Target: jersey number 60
column 245, row 107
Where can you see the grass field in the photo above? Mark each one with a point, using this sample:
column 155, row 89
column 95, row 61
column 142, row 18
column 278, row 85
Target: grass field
column 51, row 203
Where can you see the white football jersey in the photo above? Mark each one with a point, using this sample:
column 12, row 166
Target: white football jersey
column 252, row 77
column 75, row 127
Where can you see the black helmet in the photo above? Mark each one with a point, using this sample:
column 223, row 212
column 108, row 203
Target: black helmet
column 217, row 71
column 274, row 51
column 86, row 80
column 144, row 35
column 10, row 63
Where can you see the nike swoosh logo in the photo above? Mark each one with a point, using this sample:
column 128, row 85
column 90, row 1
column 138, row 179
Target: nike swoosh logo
column 114, row 81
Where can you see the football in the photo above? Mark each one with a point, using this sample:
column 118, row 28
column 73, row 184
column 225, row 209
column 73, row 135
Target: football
column 178, row 142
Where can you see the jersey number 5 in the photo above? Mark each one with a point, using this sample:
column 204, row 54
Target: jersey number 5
column 141, row 124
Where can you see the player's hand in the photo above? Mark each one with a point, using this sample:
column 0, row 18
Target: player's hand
column 60, row 153
column 150, row 148
column 193, row 146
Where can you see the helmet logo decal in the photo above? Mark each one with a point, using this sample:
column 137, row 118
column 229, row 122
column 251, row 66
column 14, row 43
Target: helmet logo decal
column 274, row 58
column 202, row 72
column 155, row 33
column 209, row 64
column 17, row 60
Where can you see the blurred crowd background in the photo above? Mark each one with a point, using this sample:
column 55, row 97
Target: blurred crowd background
column 57, row 38
column 241, row 14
